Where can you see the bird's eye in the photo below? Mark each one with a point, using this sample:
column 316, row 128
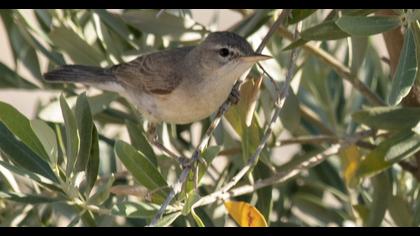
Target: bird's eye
column 224, row 52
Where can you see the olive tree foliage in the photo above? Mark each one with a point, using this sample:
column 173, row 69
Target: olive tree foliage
column 351, row 115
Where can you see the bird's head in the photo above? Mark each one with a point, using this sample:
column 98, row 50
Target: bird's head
column 226, row 53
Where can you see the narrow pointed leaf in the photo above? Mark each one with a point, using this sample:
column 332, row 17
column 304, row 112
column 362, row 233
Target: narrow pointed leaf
column 22, row 50
column 365, row 26
column 139, row 141
column 249, row 25
column 382, row 193
column 17, row 123
column 390, row 151
column 405, row 74
column 357, row 12
column 141, row 168
column 28, row 33
column 166, row 24
column 76, row 47
column 20, row 170
column 295, row 44
column 84, row 127
column 265, row 197
column 115, row 22
column 111, row 44
column 388, row 118
column 16, row 151
column 299, row 15
column 290, row 114
column 327, row 30
column 26, row 198
column 400, row 211
column 197, row 219
column 358, row 49
column 168, row 219
column 44, row 18
column 72, row 137
column 92, row 168
column 10, row 79
column 415, row 27
column 47, row 137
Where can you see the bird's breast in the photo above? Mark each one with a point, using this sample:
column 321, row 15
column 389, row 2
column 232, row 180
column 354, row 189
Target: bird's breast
column 192, row 101
column 189, row 102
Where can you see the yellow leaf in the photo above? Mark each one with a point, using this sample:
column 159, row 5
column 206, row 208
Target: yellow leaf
column 351, row 158
column 245, row 214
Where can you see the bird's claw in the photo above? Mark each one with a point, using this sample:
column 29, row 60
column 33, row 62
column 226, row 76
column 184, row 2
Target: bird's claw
column 234, row 96
column 184, row 162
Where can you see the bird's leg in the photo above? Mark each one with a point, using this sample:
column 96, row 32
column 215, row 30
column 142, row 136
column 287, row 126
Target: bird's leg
column 153, row 138
column 234, row 96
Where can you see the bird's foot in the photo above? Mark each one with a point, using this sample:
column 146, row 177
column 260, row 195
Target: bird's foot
column 234, row 96
column 184, row 162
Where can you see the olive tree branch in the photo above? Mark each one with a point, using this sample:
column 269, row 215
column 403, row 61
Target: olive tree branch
column 279, row 177
column 177, row 186
column 285, row 175
column 319, row 139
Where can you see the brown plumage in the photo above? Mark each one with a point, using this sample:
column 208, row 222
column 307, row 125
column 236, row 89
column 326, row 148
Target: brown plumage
column 148, row 73
column 179, row 85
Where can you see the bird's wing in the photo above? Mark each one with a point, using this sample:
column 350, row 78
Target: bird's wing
column 155, row 73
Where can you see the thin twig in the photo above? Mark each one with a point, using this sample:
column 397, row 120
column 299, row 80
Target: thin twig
column 318, row 139
column 276, row 86
column 307, row 140
column 176, row 188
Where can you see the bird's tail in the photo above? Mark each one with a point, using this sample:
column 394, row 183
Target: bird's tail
column 89, row 75
column 79, row 74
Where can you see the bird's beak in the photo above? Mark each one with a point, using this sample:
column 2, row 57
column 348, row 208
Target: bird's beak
column 255, row 58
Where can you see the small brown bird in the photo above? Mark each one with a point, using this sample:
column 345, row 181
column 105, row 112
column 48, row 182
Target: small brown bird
column 178, row 86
